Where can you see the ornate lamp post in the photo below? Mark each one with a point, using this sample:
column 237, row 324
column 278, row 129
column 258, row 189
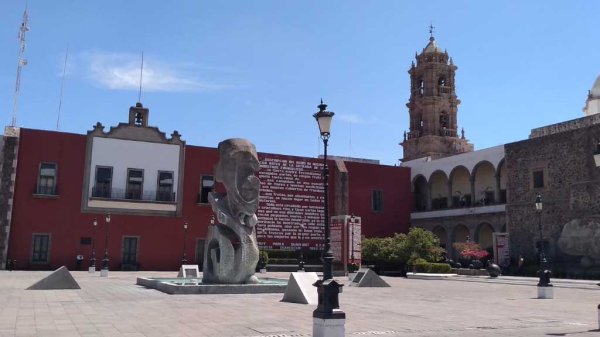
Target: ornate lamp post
column 327, row 317
column 184, row 257
column 543, row 273
column 105, row 260
column 301, row 259
column 92, row 267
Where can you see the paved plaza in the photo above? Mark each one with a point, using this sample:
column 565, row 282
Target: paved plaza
column 460, row 306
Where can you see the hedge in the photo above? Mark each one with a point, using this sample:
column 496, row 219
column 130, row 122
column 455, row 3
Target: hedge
column 433, row 268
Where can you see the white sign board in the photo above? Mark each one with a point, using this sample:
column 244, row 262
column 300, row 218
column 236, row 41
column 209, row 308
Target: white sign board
column 501, row 249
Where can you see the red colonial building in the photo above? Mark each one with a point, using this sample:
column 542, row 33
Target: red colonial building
column 128, row 191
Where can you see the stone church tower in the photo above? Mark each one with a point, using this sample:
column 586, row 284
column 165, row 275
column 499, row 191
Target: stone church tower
column 433, row 107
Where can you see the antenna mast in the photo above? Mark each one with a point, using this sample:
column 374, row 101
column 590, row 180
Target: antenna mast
column 21, row 62
column 141, row 77
column 62, row 85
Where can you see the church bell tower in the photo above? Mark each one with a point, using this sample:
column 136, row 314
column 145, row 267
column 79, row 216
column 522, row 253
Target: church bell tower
column 433, row 107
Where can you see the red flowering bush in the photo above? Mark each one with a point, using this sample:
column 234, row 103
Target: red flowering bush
column 470, row 250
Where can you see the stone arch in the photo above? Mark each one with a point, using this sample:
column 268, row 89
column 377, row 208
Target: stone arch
column 484, row 180
column 461, row 186
column 460, row 233
column 442, row 235
column 420, row 192
column 484, row 234
column 439, row 189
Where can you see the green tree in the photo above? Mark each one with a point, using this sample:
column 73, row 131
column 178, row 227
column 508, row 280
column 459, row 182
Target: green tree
column 402, row 249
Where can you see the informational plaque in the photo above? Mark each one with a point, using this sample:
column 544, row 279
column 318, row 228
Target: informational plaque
column 291, row 205
column 337, row 238
column 501, row 249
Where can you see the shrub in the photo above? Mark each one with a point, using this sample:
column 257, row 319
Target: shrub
column 402, row 249
column 423, row 266
column 470, row 250
column 439, row 268
column 263, row 258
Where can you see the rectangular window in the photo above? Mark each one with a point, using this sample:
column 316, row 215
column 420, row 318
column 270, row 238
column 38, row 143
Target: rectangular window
column 377, row 201
column 39, row 248
column 47, row 179
column 102, row 186
column 135, row 181
column 538, row 179
column 130, row 248
column 164, row 192
column 207, row 184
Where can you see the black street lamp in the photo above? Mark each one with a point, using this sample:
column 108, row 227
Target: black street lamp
column 543, row 273
column 301, row 259
column 93, row 258
column 327, row 288
column 105, row 260
column 184, row 257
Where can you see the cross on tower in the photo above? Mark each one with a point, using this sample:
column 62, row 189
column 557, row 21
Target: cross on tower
column 431, row 28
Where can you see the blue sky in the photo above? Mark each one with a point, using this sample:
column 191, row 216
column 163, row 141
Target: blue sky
column 257, row 69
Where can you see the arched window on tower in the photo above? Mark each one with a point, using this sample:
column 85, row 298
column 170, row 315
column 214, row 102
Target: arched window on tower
column 421, row 87
column 443, row 86
column 443, row 123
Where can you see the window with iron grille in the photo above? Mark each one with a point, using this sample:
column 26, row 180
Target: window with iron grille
column 164, row 192
column 47, row 179
column 207, row 184
column 135, row 181
column 39, row 248
column 538, row 179
column 103, row 184
column 377, row 201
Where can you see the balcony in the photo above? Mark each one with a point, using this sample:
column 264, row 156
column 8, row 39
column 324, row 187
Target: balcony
column 45, row 191
column 449, row 212
column 121, row 194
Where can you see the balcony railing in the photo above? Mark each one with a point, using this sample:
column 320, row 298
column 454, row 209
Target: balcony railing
column 45, row 190
column 123, row 194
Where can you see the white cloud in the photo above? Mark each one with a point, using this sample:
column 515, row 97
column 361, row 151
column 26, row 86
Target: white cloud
column 121, row 71
column 350, row 118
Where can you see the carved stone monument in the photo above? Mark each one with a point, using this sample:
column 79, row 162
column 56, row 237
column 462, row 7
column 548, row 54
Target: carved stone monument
column 231, row 250
column 581, row 237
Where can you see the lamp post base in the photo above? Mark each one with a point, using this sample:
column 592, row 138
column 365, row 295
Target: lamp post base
column 545, row 292
column 334, row 327
column 92, row 269
column 104, row 273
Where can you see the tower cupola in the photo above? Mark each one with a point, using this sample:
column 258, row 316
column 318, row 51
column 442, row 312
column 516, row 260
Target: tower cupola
column 433, row 106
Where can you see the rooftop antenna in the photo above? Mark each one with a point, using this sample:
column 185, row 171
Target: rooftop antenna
column 141, row 77
column 21, row 62
column 62, row 85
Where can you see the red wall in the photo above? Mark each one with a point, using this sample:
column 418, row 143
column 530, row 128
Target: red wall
column 161, row 238
column 397, row 200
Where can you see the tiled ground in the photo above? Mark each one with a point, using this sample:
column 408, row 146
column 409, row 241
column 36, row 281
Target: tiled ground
column 115, row 306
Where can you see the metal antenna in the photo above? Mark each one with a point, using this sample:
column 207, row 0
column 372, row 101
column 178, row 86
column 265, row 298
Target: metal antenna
column 431, row 28
column 62, row 85
column 21, row 62
column 141, row 77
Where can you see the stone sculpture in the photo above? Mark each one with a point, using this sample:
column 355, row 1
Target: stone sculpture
column 581, row 237
column 231, row 251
